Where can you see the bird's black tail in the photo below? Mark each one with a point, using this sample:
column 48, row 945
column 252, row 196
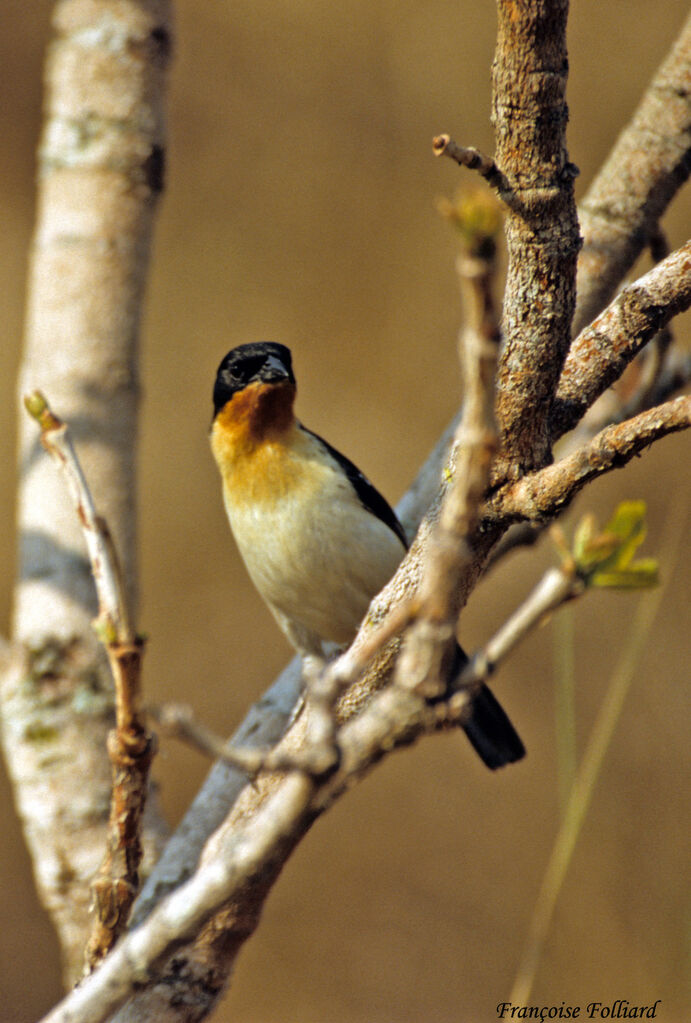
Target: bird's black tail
column 491, row 734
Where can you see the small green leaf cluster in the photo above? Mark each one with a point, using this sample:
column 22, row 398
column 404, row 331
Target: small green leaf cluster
column 605, row 558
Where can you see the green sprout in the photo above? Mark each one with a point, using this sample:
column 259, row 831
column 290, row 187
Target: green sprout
column 605, row 558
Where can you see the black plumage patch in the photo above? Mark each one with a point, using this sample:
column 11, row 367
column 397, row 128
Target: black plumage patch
column 260, row 362
column 368, row 495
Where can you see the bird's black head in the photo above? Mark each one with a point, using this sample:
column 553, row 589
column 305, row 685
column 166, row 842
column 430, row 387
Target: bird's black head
column 260, row 362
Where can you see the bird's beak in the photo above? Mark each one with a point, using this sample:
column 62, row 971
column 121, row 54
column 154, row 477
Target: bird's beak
column 273, row 371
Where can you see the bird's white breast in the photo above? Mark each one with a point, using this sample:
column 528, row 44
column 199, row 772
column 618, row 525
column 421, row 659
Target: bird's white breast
column 315, row 554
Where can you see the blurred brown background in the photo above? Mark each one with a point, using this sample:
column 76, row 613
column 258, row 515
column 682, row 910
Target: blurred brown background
column 300, row 208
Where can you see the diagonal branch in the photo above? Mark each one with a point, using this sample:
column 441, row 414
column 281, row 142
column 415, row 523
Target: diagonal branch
column 251, row 858
column 265, row 723
column 650, row 161
column 675, row 375
column 545, row 493
column 245, row 855
column 602, row 351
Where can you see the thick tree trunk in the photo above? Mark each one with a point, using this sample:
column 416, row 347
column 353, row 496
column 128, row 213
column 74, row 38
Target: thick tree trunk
column 100, row 176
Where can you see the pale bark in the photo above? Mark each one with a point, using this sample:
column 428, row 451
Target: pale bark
column 100, row 175
column 544, row 494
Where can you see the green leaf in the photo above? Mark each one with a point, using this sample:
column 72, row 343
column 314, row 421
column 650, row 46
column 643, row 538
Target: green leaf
column 642, row 575
column 628, row 523
column 600, row 549
column 583, row 535
column 605, row 558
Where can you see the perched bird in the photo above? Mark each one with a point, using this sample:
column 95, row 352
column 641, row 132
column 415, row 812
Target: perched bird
column 319, row 541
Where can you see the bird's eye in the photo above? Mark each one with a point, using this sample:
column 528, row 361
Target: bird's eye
column 247, row 370
column 253, row 368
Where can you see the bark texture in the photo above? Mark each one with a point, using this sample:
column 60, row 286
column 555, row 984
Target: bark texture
column 603, row 350
column 530, row 114
column 649, row 163
column 100, row 175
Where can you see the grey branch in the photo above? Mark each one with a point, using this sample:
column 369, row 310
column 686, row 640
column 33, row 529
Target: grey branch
column 623, row 205
column 247, row 851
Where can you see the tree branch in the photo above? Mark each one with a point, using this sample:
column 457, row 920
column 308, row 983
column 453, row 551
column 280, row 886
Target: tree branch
column 431, row 640
column 209, row 955
column 263, row 726
column 602, row 351
column 675, row 375
column 250, row 858
column 243, row 858
column 545, row 493
column 473, row 159
column 130, row 746
column 530, row 114
column 650, row 161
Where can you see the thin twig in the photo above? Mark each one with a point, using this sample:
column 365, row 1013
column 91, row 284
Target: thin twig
column 57, row 442
column 556, row 587
column 430, row 642
column 473, row 159
column 131, row 747
column 178, row 721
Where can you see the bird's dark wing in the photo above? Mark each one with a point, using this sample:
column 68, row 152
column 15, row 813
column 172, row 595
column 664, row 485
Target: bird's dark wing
column 487, row 725
column 368, row 495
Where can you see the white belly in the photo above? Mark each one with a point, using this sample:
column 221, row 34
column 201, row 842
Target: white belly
column 316, row 556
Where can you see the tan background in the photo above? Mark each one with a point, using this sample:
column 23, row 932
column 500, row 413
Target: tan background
column 300, row 208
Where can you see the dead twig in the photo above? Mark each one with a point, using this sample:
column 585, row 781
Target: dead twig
column 473, row 159
column 178, row 721
column 430, row 643
column 130, row 746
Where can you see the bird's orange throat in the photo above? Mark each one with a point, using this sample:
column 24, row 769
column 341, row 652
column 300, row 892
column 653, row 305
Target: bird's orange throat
column 258, row 413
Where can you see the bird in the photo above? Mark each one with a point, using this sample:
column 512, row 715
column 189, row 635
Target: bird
column 317, row 538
